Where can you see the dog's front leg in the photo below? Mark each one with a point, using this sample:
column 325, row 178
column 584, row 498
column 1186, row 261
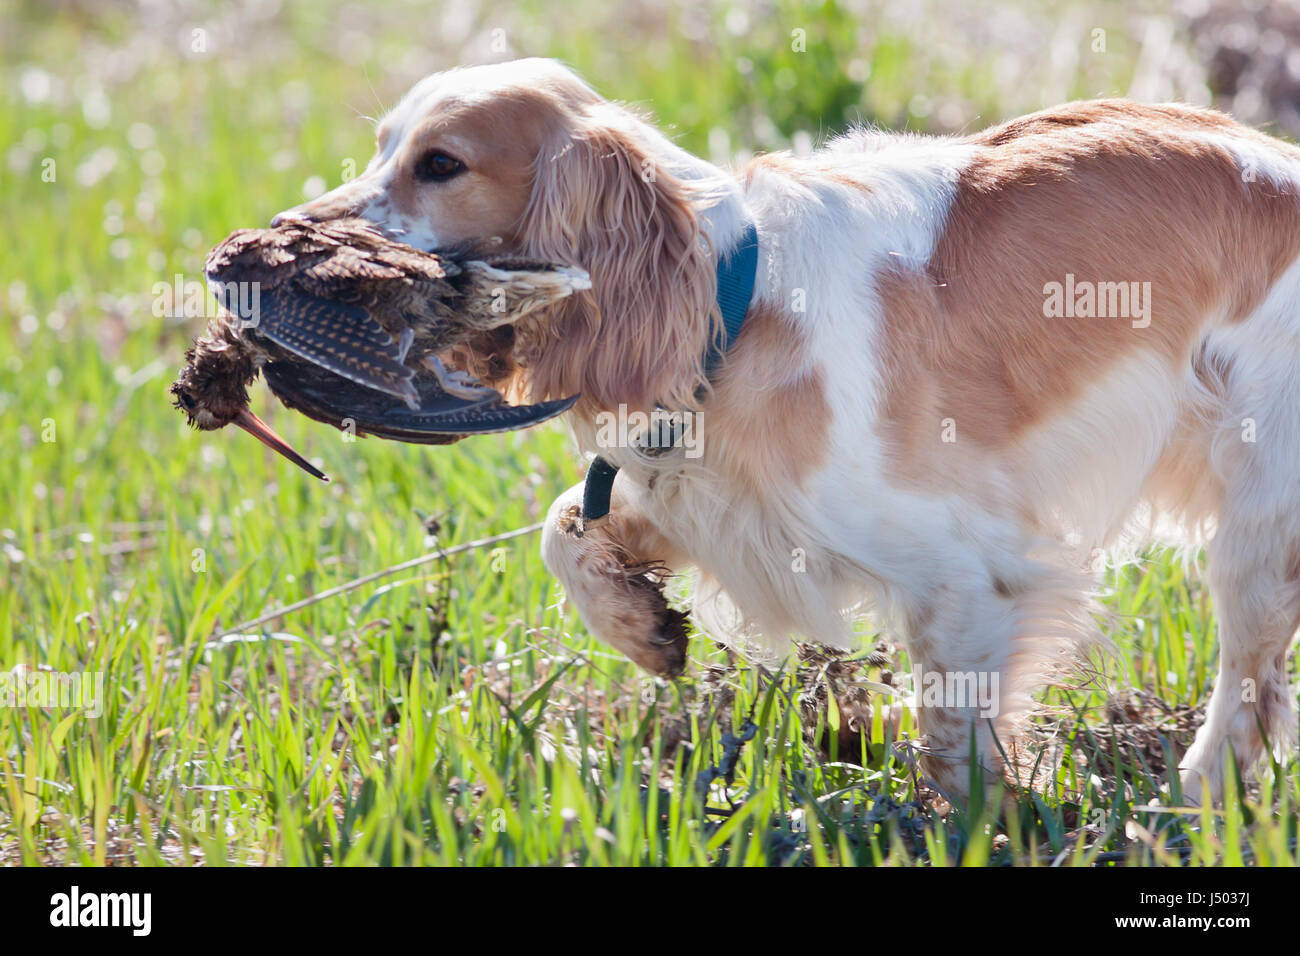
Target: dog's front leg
column 978, row 650
column 614, row 575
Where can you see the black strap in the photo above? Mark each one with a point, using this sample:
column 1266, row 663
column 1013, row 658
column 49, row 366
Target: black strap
column 596, row 491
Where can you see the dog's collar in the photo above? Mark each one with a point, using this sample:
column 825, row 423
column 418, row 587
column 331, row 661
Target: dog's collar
column 737, row 270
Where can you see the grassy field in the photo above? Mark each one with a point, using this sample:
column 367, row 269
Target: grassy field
column 451, row 713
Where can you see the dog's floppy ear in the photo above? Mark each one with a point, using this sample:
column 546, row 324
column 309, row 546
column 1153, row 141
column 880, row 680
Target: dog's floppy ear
column 639, row 336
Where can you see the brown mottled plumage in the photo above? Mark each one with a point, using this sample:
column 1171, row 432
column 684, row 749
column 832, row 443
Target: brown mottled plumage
column 347, row 324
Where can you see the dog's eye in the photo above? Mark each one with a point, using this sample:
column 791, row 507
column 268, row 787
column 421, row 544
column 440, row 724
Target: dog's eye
column 435, row 166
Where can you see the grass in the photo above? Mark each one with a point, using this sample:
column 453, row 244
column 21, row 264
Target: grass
column 451, row 714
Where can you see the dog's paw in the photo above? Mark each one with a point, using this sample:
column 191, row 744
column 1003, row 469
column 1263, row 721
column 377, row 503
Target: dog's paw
column 654, row 635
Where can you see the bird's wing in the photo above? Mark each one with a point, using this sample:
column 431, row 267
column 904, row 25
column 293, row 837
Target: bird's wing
column 439, row 420
column 344, row 252
column 267, row 256
column 340, row 338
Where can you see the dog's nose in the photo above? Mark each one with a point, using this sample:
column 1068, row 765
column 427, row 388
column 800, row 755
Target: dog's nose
column 280, row 218
column 342, row 203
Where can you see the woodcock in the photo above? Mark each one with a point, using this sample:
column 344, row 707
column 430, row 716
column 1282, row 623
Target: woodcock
column 346, row 325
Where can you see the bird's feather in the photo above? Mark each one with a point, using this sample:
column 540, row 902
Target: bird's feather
column 439, row 419
column 340, row 338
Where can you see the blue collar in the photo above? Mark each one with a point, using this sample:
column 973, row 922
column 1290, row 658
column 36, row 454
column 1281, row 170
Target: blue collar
column 737, row 270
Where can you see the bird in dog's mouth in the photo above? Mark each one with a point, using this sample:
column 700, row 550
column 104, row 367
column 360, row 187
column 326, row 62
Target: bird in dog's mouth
column 347, row 327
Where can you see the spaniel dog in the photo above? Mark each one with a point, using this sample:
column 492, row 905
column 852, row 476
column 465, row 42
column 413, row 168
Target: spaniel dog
column 964, row 373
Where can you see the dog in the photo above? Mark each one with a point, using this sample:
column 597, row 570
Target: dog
column 970, row 371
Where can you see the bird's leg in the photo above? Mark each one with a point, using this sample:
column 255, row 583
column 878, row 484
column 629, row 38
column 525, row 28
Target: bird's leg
column 458, row 383
column 404, row 344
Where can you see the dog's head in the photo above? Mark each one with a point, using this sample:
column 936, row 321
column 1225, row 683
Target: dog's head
column 527, row 158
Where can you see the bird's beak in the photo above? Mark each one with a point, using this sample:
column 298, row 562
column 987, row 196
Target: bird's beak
column 267, row 436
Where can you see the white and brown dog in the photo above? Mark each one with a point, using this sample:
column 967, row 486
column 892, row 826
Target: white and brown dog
column 968, row 368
